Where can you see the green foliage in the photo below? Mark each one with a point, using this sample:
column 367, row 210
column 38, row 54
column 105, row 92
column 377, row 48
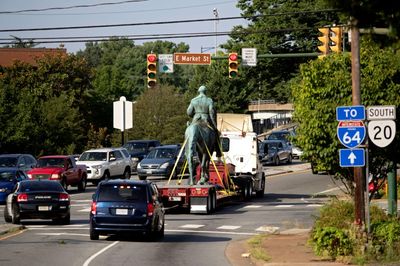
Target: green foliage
column 160, row 113
column 335, row 235
column 331, row 241
column 325, row 85
column 43, row 107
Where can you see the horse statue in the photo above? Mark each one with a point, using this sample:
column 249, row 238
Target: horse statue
column 201, row 135
column 201, row 139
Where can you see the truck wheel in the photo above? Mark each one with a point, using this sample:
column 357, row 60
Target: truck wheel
column 209, row 204
column 249, row 190
column 82, row 184
column 142, row 177
column 260, row 193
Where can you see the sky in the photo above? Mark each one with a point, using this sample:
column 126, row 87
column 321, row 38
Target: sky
column 135, row 11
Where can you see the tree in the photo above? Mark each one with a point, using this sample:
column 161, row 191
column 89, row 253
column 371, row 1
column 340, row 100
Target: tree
column 326, row 84
column 160, row 113
column 277, row 27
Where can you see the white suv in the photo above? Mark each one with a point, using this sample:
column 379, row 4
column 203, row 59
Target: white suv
column 105, row 163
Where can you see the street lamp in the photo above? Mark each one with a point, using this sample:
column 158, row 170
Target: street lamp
column 215, row 12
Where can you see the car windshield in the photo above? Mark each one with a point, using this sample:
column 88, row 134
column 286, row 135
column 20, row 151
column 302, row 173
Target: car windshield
column 93, row 156
column 135, row 146
column 6, row 176
column 50, row 162
column 8, row 161
column 272, row 146
column 40, row 186
column 161, row 153
column 122, row 193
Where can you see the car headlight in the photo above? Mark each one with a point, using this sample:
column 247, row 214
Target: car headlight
column 3, row 190
column 139, row 166
column 135, row 159
column 164, row 165
column 97, row 166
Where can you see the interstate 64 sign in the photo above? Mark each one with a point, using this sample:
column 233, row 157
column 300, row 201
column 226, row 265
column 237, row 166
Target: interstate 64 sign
column 351, row 133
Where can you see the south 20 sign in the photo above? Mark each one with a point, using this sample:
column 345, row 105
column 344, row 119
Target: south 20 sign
column 351, row 133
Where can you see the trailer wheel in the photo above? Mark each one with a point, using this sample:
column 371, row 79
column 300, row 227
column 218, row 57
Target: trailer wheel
column 209, row 204
column 260, row 193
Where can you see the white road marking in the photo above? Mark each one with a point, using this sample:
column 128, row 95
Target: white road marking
column 98, row 253
column 75, row 225
column 35, row 226
column 314, row 205
column 251, row 206
column 284, row 206
column 268, row 229
column 212, row 232
column 61, row 234
column 192, row 226
column 85, row 210
column 57, row 228
column 328, row 190
column 229, row 227
column 80, row 205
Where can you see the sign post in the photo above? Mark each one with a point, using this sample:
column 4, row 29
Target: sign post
column 382, row 131
column 122, row 111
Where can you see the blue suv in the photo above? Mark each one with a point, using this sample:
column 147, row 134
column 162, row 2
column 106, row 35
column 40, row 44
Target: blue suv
column 127, row 206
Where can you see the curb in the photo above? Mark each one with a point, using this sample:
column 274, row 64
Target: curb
column 10, row 228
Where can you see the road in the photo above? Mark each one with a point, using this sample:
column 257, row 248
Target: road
column 290, row 201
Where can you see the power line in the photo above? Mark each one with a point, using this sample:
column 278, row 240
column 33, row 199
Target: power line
column 165, row 22
column 79, row 39
column 70, row 7
column 134, row 11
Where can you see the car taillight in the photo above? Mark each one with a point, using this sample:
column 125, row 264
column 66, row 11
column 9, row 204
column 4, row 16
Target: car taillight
column 63, row 197
column 93, row 208
column 150, row 209
column 55, row 176
column 22, row 197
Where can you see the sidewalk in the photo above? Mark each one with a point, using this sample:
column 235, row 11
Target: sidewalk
column 9, row 228
column 295, row 166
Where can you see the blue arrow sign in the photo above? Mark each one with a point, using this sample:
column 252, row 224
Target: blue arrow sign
column 355, row 112
column 351, row 133
column 352, row 157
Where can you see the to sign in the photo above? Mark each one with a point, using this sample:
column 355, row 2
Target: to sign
column 351, row 133
column 355, row 112
column 382, row 112
column 381, row 132
column 166, row 63
column 192, row 59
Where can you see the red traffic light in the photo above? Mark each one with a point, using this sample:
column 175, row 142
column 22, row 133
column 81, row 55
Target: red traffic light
column 151, row 58
column 233, row 57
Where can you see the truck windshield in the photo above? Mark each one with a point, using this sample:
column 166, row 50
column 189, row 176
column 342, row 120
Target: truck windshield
column 135, row 146
column 50, row 162
column 93, row 156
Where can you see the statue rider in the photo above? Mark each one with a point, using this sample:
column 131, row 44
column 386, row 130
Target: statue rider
column 201, row 109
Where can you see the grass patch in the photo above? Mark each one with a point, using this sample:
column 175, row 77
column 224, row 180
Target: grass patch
column 256, row 249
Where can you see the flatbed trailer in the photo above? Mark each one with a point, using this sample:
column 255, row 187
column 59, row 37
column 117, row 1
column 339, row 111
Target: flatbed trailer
column 221, row 189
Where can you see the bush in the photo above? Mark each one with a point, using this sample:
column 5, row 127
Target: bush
column 335, row 235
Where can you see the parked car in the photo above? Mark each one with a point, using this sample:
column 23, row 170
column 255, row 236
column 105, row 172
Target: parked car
column 160, row 162
column 24, row 162
column 123, row 206
column 275, row 152
column 38, row 199
column 286, row 136
column 9, row 177
column 296, row 152
column 138, row 149
column 106, row 163
column 61, row 168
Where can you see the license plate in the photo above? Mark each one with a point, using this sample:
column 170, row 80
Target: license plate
column 44, row 208
column 175, row 198
column 148, row 172
column 121, row 211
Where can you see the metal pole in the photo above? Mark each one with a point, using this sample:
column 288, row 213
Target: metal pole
column 392, row 190
column 123, row 123
column 215, row 11
column 359, row 174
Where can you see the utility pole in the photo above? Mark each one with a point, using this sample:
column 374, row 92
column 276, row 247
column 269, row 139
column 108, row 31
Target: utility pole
column 359, row 174
column 216, row 16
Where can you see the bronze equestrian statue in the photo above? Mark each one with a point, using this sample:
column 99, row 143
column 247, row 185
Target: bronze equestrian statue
column 202, row 136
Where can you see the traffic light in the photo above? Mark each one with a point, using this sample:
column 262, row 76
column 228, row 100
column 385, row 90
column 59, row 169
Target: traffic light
column 151, row 70
column 233, row 65
column 324, row 47
column 336, row 39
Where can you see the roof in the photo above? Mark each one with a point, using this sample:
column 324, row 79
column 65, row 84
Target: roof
column 54, row 156
column 105, row 149
column 27, row 55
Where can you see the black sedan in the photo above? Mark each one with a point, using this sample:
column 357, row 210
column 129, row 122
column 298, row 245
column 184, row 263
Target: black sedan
column 38, row 199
